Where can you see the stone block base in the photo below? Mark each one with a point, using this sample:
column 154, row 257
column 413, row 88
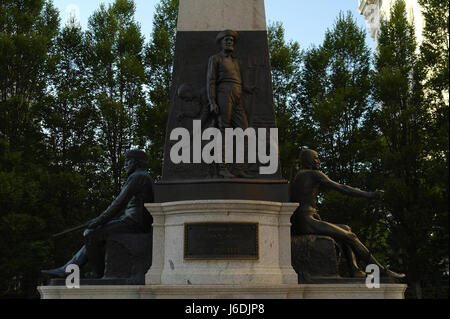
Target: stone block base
column 128, row 256
column 314, row 257
column 323, row 291
column 315, row 260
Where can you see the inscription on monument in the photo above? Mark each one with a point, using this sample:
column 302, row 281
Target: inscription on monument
column 237, row 241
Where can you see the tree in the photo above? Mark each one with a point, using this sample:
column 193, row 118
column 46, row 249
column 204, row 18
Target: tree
column 27, row 39
column 402, row 118
column 117, row 79
column 434, row 58
column 335, row 91
column 285, row 60
column 159, row 55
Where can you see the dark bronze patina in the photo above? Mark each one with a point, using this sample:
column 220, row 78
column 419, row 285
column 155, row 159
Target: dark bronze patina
column 307, row 221
column 230, row 77
column 223, row 241
column 197, row 69
column 224, row 89
column 137, row 191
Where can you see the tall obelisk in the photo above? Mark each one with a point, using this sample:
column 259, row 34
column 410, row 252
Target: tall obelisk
column 218, row 15
column 199, row 23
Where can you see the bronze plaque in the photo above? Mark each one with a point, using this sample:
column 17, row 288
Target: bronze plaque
column 238, row 241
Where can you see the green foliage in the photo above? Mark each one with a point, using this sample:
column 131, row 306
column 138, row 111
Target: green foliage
column 29, row 30
column 414, row 192
column 23, row 253
column 285, row 60
column 28, row 36
column 434, row 58
column 159, row 54
column 116, row 77
column 334, row 95
column 435, row 47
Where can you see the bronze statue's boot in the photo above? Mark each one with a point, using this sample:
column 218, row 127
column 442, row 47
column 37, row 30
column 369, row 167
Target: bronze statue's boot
column 79, row 259
column 56, row 273
column 358, row 273
column 384, row 272
column 391, row 274
column 243, row 174
column 240, row 172
column 224, row 172
column 224, row 168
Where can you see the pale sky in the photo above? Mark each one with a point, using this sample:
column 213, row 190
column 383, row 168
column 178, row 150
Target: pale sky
column 305, row 21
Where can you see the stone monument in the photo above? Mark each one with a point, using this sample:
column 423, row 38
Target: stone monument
column 223, row 223
column 222, row 219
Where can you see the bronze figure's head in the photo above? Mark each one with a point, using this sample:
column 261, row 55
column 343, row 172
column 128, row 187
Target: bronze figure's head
column 309, row 159
column 227, row 39
column 135, row 159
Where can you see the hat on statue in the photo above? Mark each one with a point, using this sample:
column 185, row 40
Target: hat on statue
column 225, row 33
column 137, row 154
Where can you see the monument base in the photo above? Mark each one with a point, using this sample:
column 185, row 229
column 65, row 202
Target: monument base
column 221, row 242
column 323, row 291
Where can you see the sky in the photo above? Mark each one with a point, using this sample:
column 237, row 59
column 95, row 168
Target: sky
column 304, row 21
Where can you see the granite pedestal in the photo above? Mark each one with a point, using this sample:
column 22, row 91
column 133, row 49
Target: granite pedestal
column 270, row 266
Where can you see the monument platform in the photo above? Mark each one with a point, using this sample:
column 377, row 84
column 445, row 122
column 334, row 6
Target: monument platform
column 322, row 291
column 222, row 249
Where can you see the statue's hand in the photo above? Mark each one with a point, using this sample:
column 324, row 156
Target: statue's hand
column 378, row 195
column 94, row 223
column 214, row 108
column 251, row 89
column 255, row 90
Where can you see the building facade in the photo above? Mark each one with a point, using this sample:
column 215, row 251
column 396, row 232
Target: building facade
column 375, row 11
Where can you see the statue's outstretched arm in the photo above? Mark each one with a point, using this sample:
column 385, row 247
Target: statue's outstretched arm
column 326, row 182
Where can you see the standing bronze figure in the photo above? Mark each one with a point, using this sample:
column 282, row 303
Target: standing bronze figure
column 307, row 221
column 224, row 89
column 137, row 191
